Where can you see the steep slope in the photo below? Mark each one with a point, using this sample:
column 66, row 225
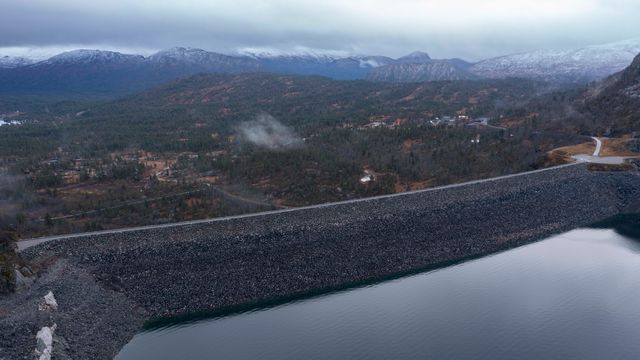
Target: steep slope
column 435, row 70
column 571, row 66
column 616, row 101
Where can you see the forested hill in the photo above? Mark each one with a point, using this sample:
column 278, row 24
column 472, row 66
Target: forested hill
column 264, row 87
column 194, row 108
column 279, row 140
column 609, row 107
column 616, row 100
column 300, row 99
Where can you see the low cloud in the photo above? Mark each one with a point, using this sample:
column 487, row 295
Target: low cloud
column 12, row 191
column 470, row 29
column 267, row 132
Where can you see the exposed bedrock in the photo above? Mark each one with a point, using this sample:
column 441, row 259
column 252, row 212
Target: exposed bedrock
column 210, row 266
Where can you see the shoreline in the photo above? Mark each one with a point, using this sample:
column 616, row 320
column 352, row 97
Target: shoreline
column 210, row 266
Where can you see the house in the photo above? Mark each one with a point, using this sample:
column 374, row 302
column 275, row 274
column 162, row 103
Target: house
column 482, row 120
column 367, row 177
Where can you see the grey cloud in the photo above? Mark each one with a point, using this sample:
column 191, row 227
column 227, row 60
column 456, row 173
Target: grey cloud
column 443, row 28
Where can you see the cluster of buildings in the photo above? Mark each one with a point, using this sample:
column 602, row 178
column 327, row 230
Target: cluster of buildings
column 460, row 119
column 9, row 119
column 388, row 122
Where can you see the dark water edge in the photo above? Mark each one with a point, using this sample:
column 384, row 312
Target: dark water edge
column 624, row 224
column 627, row 226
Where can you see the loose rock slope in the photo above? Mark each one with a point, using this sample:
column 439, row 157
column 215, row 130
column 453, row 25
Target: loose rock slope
column 108, row 284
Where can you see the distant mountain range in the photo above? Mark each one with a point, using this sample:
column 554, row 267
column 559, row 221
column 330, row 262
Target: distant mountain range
column 107, row 72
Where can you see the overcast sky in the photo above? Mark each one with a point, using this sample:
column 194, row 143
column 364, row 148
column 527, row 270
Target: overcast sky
column 471, row 29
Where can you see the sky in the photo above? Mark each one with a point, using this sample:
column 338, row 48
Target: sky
column 469, row 29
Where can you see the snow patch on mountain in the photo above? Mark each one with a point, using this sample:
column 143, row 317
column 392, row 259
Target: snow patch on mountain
column 578, row 65
column 10, row 62
column 319, row 55
column 436, row 70
column 189, row 54
column 85, row 56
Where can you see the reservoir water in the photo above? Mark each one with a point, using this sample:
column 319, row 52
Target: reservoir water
column 575, row 295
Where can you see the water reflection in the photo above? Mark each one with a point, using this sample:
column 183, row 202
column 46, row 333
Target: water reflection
column 626, row 224
column 572, row 296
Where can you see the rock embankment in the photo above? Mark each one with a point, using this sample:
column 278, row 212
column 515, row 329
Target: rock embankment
column 107, row 284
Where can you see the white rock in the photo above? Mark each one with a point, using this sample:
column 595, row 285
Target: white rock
column 44, row 342
column 51, row 301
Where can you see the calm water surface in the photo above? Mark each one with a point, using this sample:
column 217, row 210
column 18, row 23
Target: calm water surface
column 571, row 296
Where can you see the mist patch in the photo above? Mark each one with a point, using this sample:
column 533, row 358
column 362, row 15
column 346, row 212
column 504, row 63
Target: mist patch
column 267, row 132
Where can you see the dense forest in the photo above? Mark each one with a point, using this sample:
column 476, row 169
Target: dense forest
column 214, row 145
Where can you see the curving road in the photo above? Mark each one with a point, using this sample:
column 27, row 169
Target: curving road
column 596, row 152
column 597, row 159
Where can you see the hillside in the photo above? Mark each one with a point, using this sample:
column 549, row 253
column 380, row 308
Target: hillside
column 565, row 66
column 616, row 101
column 417, row 72
column 249, row 142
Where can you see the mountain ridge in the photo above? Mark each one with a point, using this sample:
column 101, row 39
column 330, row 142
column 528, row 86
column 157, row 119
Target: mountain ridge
column 580, row 65
column 112, row 72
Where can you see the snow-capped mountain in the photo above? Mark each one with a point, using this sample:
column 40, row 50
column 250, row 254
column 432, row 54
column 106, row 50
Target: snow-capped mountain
column 569, row 66
column 203, row 60
column 109, row 72
column 9, row 62
column 114, row 72
column 85, row 56
column 78, row 71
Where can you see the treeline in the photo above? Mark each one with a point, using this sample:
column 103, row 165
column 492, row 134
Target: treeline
column 199, row 118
